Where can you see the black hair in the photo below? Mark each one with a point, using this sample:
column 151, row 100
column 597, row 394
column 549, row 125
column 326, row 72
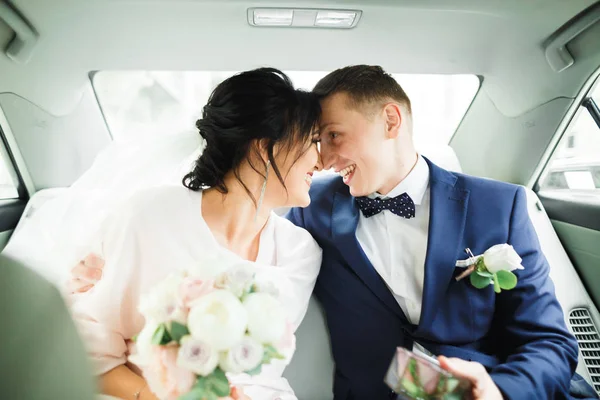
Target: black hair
column 258, row 106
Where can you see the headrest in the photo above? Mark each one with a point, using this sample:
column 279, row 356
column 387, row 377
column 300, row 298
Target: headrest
column 441, row 155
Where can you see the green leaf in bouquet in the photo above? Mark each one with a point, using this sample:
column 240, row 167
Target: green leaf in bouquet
column 203, row 389
column 218, row 383
column 161, row 335
column 410, row 387
column 177, row 331
column 194, row 394
column 271, row 353
column 441, row 386
column 452, row 384
column 479, row 281
column 453, row 396
column 506, row 279
column 201, row 385
column 255, row 371
column 412, row 368
column 414, row 386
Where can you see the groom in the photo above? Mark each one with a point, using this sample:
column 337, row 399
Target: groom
column 392, row 228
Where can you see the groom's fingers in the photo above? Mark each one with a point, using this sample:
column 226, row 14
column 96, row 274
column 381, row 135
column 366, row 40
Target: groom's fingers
column 463, row 369
column 483, row 386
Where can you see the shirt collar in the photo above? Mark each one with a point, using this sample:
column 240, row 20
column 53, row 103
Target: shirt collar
column 415, row 184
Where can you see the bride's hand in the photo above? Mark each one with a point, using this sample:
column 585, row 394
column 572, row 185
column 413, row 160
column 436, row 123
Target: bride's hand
column 86, row 274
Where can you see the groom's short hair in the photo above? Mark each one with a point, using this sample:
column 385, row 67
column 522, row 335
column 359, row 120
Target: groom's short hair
column 365, row 85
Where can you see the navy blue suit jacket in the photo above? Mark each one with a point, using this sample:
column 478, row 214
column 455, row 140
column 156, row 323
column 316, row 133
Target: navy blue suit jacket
column 519, row 335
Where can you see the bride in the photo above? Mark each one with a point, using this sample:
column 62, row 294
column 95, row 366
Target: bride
column 260, row 152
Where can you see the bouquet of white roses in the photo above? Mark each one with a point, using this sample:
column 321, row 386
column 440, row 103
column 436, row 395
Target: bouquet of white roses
column 198, row 330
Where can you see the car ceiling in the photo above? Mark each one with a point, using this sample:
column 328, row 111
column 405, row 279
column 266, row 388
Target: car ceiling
column 500, row 40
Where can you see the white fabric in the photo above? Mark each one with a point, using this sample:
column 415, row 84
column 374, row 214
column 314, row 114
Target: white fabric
column 397, row 246
column 49, row 239
column 161, row 230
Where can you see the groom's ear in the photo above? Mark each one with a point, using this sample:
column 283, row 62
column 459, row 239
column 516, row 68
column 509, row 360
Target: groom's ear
column 393, row 119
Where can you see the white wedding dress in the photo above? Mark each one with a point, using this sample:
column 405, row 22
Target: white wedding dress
column 131, row 209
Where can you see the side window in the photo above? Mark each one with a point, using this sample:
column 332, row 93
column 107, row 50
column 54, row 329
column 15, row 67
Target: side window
column 575, row 164
column 8, row 178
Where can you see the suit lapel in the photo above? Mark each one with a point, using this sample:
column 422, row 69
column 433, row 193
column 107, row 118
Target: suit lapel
column 344, row 220
column 448, row 211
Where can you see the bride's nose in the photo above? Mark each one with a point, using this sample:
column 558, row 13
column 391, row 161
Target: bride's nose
column 319, row 166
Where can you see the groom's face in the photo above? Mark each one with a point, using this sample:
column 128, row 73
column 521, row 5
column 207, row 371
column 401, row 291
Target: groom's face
column 353, row 143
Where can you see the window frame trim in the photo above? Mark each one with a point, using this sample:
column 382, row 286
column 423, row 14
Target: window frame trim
column 17, row 167
column 592, row 83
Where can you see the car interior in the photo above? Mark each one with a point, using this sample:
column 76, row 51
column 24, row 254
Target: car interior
column 502, row 89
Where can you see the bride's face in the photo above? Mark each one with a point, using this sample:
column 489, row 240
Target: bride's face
column 297, row 173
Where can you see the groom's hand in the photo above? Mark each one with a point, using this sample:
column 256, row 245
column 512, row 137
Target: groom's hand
column 483, row 385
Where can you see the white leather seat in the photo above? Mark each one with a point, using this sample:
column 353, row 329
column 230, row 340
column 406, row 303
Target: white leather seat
column 35, row 202
column 569, row 288
column 26, row 232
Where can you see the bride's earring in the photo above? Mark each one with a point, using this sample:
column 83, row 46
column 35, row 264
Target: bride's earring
column 262, row 191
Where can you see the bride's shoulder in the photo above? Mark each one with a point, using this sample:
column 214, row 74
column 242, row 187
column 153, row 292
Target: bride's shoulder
column 288, row 234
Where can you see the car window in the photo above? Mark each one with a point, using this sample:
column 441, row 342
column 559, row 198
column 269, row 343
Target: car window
column 575, row 163
column 141, row 104
column 8, row 187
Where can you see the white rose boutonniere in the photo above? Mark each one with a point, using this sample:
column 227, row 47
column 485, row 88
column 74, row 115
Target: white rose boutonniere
column 493, row 267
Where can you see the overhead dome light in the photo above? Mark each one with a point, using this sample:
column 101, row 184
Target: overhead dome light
column 304, row 18
column 273, row 17
column 336, row 19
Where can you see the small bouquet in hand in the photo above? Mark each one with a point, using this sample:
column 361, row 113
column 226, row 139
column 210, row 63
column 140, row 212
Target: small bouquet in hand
column 197, row 330
column 412, row 376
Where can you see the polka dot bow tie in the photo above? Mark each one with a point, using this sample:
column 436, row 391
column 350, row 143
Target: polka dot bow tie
column 402, row 206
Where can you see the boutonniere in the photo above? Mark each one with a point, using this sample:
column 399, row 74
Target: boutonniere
column 493, row 267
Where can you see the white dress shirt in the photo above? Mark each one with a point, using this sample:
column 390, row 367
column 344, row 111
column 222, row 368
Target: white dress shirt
column 397, row 246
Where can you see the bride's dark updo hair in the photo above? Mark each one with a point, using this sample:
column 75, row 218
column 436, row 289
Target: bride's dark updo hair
column 252, row 106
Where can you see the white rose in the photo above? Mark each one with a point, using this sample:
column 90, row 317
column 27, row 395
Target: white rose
column 161, row 303
column 501, row 257
column 266, row 287
column 236, row 279
column 219, row 319
column 142, row 353
column 244, row 356
column 266, row 317
column 197, row 356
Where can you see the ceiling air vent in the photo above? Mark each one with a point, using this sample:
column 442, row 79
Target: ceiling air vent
column 589, row 342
